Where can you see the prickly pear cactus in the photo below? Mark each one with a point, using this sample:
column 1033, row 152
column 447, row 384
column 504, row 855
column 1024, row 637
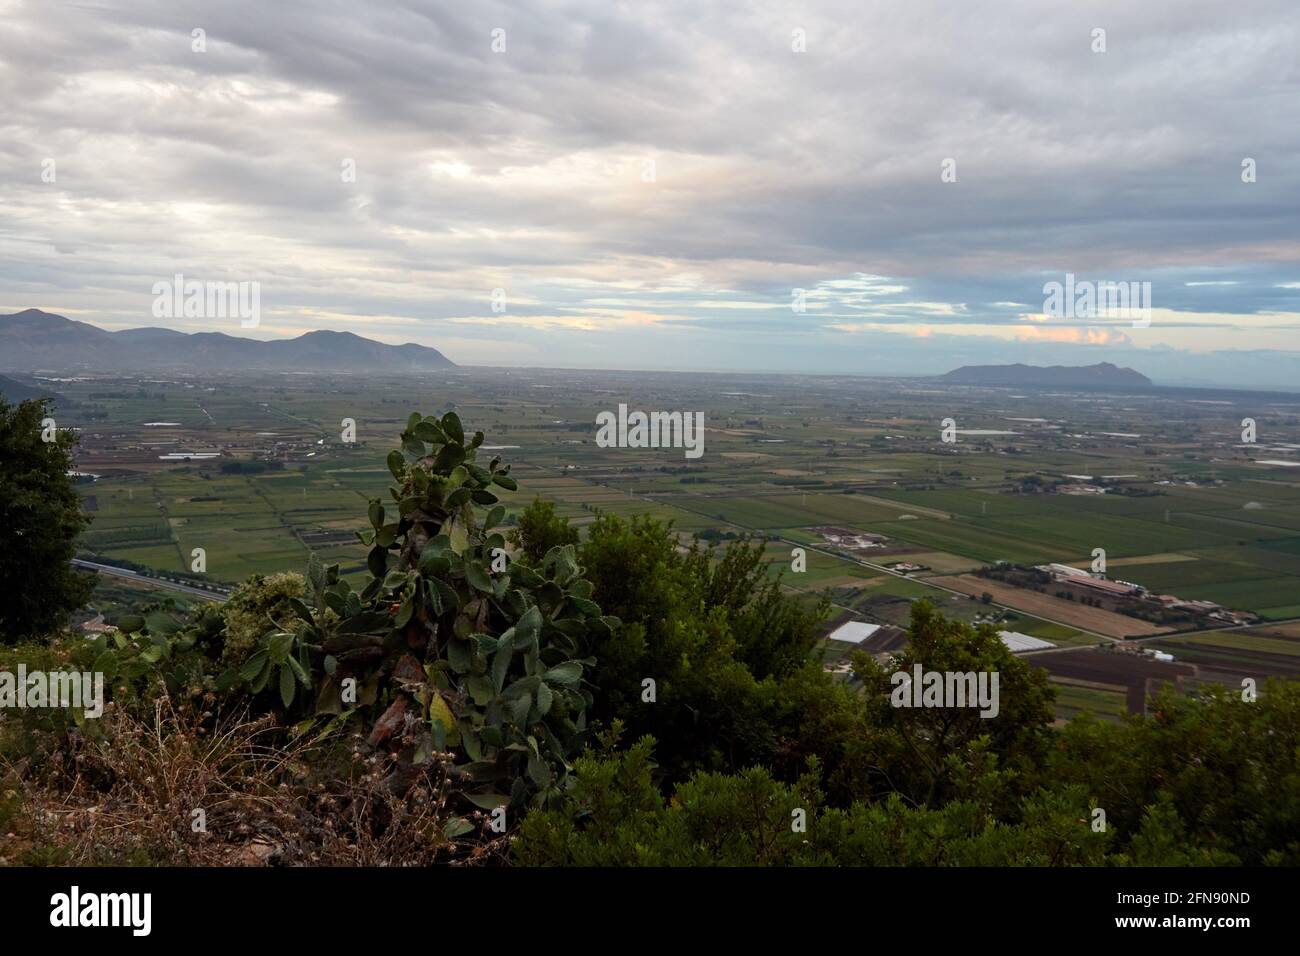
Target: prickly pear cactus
column 450, row 648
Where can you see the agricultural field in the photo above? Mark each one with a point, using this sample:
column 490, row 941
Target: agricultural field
column 258, row 472
column 1112, row 672
column 1104, row 701
column 1257, row 652
column 1095, row 620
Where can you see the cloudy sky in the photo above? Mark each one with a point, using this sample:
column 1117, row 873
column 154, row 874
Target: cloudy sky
column 648, row 183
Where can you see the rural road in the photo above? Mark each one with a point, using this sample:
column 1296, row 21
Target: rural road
column 219, row 596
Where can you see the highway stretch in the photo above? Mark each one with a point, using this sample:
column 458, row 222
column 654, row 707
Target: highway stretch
column 213, row 595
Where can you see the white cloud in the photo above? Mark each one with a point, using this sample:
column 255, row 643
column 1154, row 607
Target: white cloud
column 772, row 171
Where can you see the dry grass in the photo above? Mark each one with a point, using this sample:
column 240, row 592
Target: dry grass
column 129, row 795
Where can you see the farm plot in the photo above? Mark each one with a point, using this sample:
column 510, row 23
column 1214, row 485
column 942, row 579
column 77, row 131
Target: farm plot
column 1095, row 619
column 1262, row 652
column 1076, row 697
column 1138, row 675
column 970, row 539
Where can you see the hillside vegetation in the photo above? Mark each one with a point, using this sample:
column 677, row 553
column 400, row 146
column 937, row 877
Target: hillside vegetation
column 614, row 699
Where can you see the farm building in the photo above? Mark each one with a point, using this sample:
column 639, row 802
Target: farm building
column 1080, row 490
column 1063, row 570
column 1118, row 588
column 1204, row 607
column 854, row 632
column 878, row 639
column 853, row 540
column 1017, row 642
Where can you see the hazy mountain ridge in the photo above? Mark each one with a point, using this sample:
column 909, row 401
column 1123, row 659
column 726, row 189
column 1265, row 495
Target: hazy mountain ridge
column 34, row 339
column 1101, row 375
column 14, row 391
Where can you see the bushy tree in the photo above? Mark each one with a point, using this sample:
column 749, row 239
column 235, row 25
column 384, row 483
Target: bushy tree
column 936, row 754
column 814, row 716
column 40, row 519
column 615, row 816
column 1227, row 769
column 701, row 635
column 540, row 529
column 774, row 633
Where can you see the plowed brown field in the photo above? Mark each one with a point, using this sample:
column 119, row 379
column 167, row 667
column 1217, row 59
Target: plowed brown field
column 1095, row 619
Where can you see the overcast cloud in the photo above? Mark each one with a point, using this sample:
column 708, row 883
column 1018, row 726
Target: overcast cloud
column 529, row 170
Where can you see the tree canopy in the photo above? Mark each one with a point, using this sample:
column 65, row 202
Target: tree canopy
column 40, row 519
column 633, row 696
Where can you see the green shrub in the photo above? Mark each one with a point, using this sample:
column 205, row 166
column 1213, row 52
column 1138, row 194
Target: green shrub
column 252, row 606
column 443, row 651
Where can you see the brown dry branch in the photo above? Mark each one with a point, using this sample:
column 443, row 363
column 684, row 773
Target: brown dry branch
column 129, row 795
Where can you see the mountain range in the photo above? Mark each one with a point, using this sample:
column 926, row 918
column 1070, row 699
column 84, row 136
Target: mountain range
column 33, row 339
column 1101, row 375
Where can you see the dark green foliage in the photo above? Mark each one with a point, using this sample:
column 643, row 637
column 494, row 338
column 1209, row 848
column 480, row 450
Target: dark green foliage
column 539, row 530
column 762, row 758
column 159, row 651
column 250, row 467
column 617, row 817
column 1210, row 780
column 1225, row 772
column 815, row 717
column 28, row 732
column 438, row 653
column 709, row 633
column 934, row 755
column 774, row 633
column 40, row 519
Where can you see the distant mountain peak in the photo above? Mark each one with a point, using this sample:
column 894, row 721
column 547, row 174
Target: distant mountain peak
column 1100, row 375
column 33, row 338
column 29, row 314
column 328, row 334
